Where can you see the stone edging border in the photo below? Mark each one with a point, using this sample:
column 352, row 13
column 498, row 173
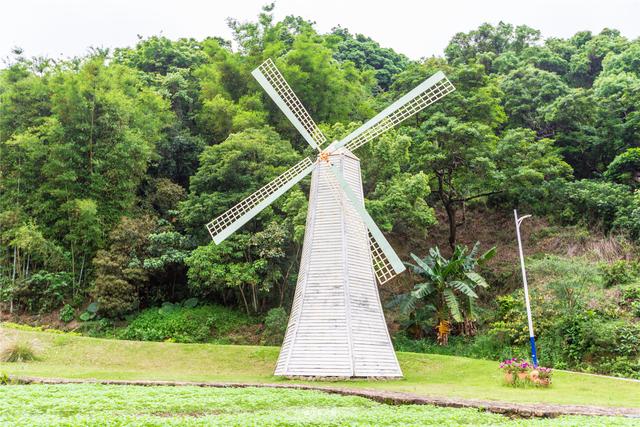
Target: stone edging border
column 526, row 410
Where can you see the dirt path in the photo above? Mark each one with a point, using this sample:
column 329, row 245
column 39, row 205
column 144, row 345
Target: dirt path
column 387, row 397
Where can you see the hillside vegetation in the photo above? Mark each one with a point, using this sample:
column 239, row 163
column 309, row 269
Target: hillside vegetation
column 112, row 163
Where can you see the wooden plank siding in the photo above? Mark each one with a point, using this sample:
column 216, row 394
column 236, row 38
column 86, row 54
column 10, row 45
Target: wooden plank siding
column 337, row 327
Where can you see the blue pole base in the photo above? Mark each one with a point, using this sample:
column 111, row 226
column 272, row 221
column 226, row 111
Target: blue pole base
column 534, row 354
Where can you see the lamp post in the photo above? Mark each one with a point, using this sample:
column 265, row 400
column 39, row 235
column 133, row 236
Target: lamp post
column 532, row 339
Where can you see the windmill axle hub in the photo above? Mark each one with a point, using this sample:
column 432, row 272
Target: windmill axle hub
column 324, row 156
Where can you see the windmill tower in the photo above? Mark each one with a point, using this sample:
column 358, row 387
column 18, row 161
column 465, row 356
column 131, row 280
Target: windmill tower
column 336, row 327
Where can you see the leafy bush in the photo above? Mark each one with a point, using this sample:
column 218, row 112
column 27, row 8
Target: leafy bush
column 169, row 306
column 97, row 328
column 624, row 168
column 620, row 272
column 635, row 308
column 510, row 326
column 115, row 295
column 67, row 313
column 182, row 324
column 590, row 342
column 90, row 313
column 18, row 352
column 631, row 293
column 275, row 325
column 479, row 347
column 43, row 291
column 607, row 205
column 630, row 298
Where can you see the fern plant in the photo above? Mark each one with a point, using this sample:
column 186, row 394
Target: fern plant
column 447, row 288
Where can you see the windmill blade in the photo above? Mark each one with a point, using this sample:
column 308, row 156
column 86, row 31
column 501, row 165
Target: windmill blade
column 279, row 90
column 386, row 262
column 420, row 97
column 224, row 225
column 382, row 265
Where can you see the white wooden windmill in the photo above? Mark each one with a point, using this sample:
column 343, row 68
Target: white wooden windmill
column 337, row 327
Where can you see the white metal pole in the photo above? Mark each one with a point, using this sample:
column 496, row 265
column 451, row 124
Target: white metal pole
column 532, row 340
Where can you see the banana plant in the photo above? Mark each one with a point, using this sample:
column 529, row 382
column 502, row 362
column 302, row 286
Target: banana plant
column 447, row 287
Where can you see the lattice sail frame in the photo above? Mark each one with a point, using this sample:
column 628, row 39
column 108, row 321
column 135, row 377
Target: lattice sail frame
column 381, row 265
column 234, row 218
column 279, row 90
column 425, row 94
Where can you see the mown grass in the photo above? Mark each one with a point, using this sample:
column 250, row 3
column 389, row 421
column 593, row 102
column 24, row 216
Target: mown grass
column 90, row 404
column 70, row 356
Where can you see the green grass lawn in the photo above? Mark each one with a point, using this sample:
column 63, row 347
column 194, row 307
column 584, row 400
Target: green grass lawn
column 69, row 356
column 93, row 404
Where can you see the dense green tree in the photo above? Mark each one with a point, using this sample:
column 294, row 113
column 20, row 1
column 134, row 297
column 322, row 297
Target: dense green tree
column 215, row 268
column 120, row 277
column 586, row 62
column 573, row 123
column 625, row 168
column 232, row 170
column 367, row 54
column 527, row 91
column 73, row 165
column 487, row 42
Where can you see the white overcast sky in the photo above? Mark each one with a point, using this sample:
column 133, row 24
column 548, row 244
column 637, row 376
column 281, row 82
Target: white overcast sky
column 65, row 28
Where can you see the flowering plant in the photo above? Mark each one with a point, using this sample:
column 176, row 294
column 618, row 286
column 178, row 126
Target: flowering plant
column 544, row 373
column 513, row 366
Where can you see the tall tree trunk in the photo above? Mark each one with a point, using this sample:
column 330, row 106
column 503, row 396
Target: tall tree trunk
column 13, row 277
column 93, row 119
column 449, row 207
column 80, row 275
column 453, row 226
column 15, row 262
column 73, row 269
column 244, row 300
column 254, row 298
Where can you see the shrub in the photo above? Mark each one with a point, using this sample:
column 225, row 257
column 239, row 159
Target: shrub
column 182, row 324
column 631, row 293
column 604, row 204
column 630, row 298
column 591, row 342
column 97, row 328
column 635, row 308
column 510, row 317
column 479, row 347
column 43, row 291
column 619, row 272
column 90, row 313
column 114, row 295
column 275, row 325
column 17, row 352
column 67, row 313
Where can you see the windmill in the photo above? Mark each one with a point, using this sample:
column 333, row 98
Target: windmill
column 336, row 327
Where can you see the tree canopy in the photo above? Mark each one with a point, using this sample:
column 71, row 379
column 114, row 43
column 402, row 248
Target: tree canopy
column 111, row 164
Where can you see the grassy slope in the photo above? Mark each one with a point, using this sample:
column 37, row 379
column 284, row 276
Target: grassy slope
column 87, row 404
column 79, row 357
